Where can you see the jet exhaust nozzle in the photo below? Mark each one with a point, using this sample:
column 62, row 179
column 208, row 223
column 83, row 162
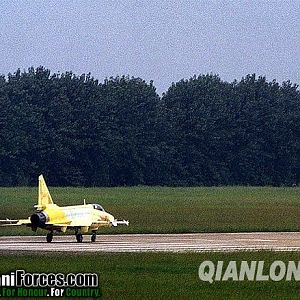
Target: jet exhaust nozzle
column 39, row 219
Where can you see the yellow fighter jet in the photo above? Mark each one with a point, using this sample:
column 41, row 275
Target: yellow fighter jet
column 80, row 218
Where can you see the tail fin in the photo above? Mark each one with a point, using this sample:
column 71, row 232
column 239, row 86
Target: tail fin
column 44, row 196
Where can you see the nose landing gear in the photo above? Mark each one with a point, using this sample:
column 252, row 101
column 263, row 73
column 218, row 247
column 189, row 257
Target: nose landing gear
column 93, row 237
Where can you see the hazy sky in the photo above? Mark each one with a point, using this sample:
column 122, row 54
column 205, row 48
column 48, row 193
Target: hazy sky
column 160, row 40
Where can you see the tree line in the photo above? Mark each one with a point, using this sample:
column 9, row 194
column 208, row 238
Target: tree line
column 78, row 131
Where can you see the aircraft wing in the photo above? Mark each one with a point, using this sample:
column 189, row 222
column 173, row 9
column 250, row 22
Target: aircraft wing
column 76, row 222
column 88, row 222
column 113, row 223
column 73, row 223
column 9, row 222
column 80, row 222
column 60, row 224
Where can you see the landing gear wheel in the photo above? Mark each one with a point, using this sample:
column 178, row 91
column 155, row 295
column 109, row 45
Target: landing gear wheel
column 79, row 237
column 49, row 237
column 93, row 237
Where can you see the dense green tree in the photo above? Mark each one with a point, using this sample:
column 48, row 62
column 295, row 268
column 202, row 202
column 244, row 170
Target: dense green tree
column 132, row 130
column 197, row 112
column 202, row 131
column 268, row 132
column 239, row 133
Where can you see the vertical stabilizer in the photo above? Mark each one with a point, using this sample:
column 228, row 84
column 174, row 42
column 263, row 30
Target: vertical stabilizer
column 44, row 196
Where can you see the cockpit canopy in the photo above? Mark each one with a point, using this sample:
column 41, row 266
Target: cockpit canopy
column 98, row 206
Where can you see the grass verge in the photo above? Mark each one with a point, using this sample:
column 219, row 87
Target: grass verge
column 160, row 275
column 172, row 210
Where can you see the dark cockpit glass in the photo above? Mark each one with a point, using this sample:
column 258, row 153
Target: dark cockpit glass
column 98, row 206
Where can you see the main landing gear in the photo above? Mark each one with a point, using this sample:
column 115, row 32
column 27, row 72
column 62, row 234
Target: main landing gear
column 79, row 237
column 49, row 237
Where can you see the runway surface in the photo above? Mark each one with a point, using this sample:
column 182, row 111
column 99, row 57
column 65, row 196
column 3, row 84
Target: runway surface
column 199, row 242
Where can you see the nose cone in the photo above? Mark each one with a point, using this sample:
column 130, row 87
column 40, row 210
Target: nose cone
column 110, row 217
column 106, row 216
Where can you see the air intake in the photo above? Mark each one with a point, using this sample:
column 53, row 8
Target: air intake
column 39, row 219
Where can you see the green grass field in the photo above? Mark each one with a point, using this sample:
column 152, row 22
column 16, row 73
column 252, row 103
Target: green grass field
column 162, row 209
column 160, row 276
column 176, row 210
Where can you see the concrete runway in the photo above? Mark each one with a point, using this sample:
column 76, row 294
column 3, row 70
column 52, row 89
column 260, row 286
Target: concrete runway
column 198, row 242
